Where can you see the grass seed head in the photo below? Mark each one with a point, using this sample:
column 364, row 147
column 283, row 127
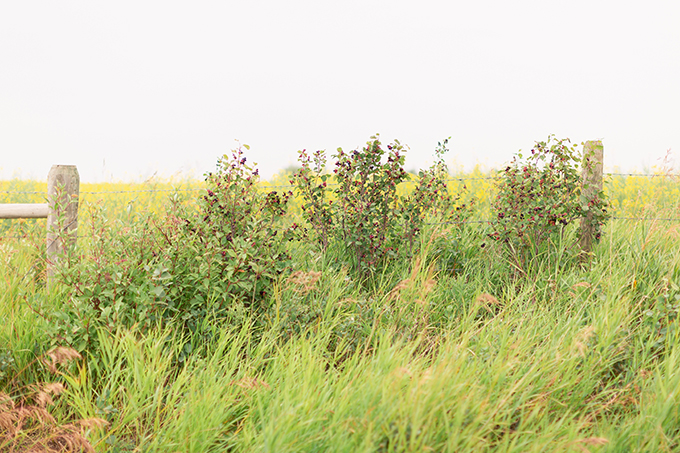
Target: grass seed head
column 249, row 383
column 594, row 441
column 44, row 396
column 59, row 356
column 487, row 298
column 581, row 341
column 303, row 282
column 90, row 423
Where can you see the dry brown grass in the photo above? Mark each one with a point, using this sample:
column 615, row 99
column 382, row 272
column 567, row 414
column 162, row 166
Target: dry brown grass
column 417, row 286
column 303, row 282
column 26, row 424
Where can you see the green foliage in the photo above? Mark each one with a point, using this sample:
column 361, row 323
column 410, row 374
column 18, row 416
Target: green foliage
column 220, row 261
column 660, row 317
column 360, row 209
column 460, row 355
column 432, row 199
column 539, row 196
column 367, row 201
column 6, row 363
column 233, row 250
column 360, row 213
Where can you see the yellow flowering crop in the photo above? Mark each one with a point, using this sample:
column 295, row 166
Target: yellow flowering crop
column 631, row 196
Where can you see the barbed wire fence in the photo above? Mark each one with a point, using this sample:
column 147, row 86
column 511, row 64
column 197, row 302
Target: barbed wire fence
column 291, row 187
column 196, row 189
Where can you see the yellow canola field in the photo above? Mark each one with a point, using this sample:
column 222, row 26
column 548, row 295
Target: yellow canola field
column 631, row 196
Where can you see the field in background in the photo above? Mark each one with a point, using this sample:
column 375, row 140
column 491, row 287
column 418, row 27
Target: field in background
column 631, row 196
column 563, row 360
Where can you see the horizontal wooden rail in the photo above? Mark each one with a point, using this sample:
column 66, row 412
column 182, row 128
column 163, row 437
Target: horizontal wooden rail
column 24, row 211
column 61, row 211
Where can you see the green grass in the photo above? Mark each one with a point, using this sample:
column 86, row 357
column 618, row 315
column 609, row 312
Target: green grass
column 559, row 359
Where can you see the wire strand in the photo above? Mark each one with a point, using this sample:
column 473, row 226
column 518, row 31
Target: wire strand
column 143, row 191
column 264, row 185
column 665, row 175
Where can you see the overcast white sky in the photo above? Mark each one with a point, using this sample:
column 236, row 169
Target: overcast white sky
column 124, row 89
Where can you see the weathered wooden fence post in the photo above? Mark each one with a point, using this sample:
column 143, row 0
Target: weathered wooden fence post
column 591, row 185
column 63, row 190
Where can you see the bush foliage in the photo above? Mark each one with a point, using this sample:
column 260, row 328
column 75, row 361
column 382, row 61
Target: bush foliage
column 539, row 196
column 225, row 257
column 359, row 209
column 219, row 261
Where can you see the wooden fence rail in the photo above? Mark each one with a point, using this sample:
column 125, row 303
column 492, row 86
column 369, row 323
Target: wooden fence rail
column 24, row 211
column 61, row 212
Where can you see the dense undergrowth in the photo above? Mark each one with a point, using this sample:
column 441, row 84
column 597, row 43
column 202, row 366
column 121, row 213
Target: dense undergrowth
column 185, row 329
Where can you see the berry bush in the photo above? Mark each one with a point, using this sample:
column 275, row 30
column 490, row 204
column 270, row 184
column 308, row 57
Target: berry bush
column 539, row 196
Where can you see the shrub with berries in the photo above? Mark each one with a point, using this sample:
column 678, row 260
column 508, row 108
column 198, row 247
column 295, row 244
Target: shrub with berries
column 539, row 196
column 357, row 207
column 220, row 261
column 237, row 239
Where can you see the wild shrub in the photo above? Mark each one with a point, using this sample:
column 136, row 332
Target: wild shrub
column 358, row 208
column 360, row 212
column 219, row 262
column 233, row 250
column 432, row 199
column 539, row 197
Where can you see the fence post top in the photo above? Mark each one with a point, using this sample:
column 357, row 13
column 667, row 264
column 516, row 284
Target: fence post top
column 63, row 171
column 593, row 144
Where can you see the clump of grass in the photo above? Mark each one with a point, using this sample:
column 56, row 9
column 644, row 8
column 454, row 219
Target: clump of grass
column 26, row 423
